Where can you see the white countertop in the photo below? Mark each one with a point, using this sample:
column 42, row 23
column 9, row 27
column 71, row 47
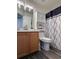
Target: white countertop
column 30, row 30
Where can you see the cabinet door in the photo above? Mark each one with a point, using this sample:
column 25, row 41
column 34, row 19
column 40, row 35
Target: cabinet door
column 34, row 42
column 22, row 43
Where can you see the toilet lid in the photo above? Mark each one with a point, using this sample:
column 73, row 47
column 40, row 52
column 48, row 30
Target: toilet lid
column 44, row 38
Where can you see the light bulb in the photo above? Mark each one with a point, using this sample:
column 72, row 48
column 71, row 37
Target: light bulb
column 25, row 6
column 19, row 5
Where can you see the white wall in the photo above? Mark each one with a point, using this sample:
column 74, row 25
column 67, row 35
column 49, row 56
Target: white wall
column 41, row 20
column 41, row 17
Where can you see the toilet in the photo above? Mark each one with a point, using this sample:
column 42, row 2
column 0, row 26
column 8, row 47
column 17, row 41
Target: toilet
column 44, row 42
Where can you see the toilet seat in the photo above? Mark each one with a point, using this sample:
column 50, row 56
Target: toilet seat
column 44, row 39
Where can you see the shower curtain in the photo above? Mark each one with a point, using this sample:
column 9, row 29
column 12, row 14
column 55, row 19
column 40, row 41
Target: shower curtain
column 53, row 30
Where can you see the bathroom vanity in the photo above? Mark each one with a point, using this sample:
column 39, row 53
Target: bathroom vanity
column 27, row 42
column 27, row 31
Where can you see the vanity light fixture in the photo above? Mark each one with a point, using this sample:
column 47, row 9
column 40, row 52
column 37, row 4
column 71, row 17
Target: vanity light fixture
column 28, row 6
column 20, row 3
column 25, row 7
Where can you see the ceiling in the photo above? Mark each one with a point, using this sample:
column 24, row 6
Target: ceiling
column 43, row 6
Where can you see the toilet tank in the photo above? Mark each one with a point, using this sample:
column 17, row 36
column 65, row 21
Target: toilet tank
column 41, row 34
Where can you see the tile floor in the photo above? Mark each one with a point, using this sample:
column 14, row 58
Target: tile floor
column 42, row 55
column 51, row 54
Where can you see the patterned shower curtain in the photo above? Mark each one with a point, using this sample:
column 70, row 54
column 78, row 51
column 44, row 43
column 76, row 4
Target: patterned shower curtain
column 53, row 30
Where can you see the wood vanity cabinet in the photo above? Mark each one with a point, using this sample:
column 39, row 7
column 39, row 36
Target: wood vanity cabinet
column 27, row 42
column 34, row 42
